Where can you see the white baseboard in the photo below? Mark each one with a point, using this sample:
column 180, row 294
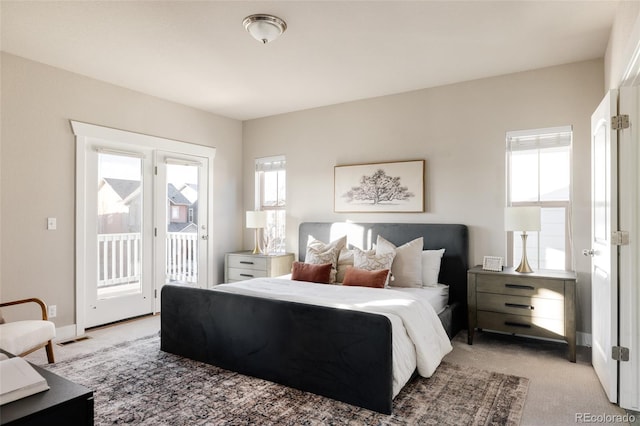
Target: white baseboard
column 65, row 333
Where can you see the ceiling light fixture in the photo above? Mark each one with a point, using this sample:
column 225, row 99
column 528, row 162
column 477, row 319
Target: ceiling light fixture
column 264, row 28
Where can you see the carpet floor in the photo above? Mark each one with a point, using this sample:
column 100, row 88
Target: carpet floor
column 136, row 383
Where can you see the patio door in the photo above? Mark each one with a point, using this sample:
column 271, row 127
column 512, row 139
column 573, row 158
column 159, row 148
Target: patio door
column 119, row 279
column 142, row 221
column 181, row 232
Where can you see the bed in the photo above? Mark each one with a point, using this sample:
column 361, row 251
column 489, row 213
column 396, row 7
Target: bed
column 343, row 354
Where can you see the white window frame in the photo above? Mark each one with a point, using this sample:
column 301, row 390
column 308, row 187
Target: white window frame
column 262, row 165
column 539, row 139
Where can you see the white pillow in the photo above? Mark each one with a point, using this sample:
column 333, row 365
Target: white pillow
column 319, row 253
column 372, row 261
column 345, row 260
column 407, row 264
column 431, row 267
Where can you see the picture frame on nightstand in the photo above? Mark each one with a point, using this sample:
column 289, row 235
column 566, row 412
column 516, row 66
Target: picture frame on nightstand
column 492, row 263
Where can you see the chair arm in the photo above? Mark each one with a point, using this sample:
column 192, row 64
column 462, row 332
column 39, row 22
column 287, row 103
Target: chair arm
column 43, row 306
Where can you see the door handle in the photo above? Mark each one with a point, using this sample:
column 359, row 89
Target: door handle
column 589, row 252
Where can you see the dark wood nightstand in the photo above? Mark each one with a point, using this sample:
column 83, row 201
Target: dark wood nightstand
column 540, row 304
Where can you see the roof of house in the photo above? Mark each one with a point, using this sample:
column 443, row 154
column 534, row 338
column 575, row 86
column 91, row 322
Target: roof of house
column 123, row 187
column 176, row 197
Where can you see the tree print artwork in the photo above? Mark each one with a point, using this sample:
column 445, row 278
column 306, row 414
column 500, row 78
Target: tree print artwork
column 378, row 188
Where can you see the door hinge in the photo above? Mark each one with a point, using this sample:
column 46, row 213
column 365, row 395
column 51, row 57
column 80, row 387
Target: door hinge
column 620, row 238
column 619, row 353
column 155, row 294
column 155, row 232
column 619, row 122
column 155, row 169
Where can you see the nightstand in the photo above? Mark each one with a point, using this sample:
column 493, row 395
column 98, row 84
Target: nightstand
column 540, row 304
column 244, row 265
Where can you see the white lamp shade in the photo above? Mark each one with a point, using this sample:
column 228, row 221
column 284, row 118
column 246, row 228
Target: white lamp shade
column 256, row 219
column 522, row 218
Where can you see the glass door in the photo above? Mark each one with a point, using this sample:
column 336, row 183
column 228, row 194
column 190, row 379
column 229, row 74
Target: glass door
column 181, row 220
column 119, row 279
column 142, row 221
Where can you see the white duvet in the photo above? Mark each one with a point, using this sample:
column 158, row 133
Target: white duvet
column 418, row 338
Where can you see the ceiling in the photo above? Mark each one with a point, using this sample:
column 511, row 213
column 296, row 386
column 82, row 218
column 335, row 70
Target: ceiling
column 197, row 53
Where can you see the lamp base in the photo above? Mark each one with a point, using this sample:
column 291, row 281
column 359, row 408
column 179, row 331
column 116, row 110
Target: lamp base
column 524, row 267
column 257, row 249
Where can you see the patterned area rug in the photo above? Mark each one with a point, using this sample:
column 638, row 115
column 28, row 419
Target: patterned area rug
column 136, row 383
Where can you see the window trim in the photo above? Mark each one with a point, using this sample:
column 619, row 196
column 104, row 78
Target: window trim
column 268, row 164
column 561, row 141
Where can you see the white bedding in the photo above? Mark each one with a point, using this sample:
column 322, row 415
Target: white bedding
column 437, row 296
column 418, row 338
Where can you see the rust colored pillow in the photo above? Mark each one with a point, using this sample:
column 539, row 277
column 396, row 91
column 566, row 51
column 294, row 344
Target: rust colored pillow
column 364, row 278
column 315, row 273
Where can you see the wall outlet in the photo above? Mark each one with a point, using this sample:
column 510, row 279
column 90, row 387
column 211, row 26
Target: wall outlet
column 52, row 311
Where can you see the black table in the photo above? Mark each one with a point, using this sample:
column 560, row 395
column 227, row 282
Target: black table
column 65, row 403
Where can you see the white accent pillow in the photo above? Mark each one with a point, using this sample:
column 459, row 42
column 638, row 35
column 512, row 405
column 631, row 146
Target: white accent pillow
column 407, row 264
column 319, row 252
column 345, row 260
column 431, row 267
column 372, row 261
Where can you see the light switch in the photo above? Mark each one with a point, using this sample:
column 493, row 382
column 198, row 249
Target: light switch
column 51, row 223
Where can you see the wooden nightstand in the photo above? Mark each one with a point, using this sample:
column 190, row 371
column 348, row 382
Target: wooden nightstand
column 244, row 265
column 540, row 304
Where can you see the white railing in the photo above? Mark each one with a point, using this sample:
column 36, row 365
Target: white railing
column 182, row 257
column 119, row 258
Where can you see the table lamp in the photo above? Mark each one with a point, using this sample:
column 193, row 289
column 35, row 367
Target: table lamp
column 522, row 218
column 256, row 220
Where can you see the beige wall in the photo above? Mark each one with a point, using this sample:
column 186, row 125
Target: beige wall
column 625, row 36
column 459, row 130
column 37, row 167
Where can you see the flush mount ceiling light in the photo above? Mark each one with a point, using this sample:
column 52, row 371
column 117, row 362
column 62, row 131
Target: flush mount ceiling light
column 264, row 28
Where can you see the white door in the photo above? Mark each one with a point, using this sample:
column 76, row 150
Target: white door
column 629, row 218
column 181, row 229
column 126, row 247
column 119, row 279
column 604, row 279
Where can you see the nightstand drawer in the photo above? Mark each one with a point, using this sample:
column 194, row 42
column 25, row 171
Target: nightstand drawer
column 240, row 266
column 520, row 286
column 534, row 307
column 518, row 324
column 235, row 274
column 248, row 262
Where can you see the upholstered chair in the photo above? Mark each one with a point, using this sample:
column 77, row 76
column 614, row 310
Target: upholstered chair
column 25, row 336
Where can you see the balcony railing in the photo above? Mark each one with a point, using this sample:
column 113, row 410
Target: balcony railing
column 119, row 258
column 182, row 257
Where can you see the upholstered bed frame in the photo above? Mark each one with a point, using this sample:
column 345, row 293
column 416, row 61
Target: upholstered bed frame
column 338, row 353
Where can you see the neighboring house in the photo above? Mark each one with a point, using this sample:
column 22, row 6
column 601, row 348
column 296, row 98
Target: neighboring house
column 181, row 211
column 119, row 207
column 190, row 190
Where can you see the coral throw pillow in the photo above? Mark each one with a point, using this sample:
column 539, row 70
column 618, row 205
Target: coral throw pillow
column 315, row 273
column 364, row 278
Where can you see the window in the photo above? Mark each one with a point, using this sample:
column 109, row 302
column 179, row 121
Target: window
column 539, row 174
column 175, row 213
column 271, row 197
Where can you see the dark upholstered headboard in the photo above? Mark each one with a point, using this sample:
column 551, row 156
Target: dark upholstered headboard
column 452, row 237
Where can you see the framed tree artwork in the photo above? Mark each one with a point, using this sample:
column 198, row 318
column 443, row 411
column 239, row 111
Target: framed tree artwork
column 380, row 187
